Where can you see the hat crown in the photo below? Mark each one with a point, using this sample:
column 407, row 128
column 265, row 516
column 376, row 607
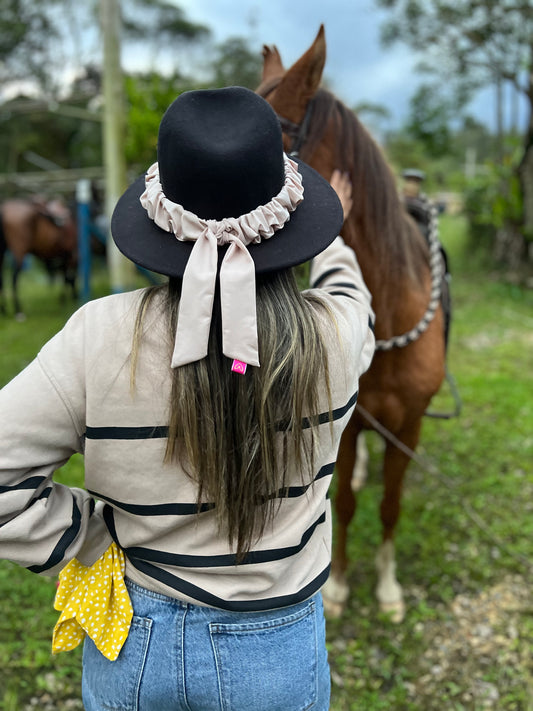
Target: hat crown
column 220, row 152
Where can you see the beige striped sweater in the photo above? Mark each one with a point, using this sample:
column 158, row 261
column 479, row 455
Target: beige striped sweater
column 75, row 397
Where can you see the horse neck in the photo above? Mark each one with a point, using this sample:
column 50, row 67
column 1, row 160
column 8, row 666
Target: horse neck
column 392, row 254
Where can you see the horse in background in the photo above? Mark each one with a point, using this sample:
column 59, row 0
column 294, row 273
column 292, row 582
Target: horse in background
column 409, row 365
column 46, row 230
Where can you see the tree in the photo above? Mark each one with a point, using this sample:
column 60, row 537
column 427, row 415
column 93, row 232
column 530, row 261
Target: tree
column 34, row 46
column 475, row 43
column 428, row 121
column 147, row 97
column 39, row 38
column 235, row 64
column 27, row 34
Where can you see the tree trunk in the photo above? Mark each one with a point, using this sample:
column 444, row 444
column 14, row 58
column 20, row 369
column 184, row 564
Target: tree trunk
column 121, row 270
column 526, row 164
column 509, row 247
column 499, row 118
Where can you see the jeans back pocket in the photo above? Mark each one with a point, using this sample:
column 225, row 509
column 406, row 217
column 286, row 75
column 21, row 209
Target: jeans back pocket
column 269, row 665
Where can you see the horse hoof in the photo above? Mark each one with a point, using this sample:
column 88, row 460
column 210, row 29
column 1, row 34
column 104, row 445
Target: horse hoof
column 335, row 592
column 395, row 611
column 20, row 317
column 358, row 481
column 332, row 610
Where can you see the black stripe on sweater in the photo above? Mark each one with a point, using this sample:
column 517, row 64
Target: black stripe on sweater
column 325, row 275
column 338, row 292
column 158, row 432
column 202, row 596
column 31, row 483
column 169, row 509
column 336, row 414
column 187, row 509
column 344, row 284
column 219, row 561
column 64, row 542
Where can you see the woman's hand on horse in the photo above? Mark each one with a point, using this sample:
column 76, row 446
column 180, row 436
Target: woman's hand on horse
column 340, row 182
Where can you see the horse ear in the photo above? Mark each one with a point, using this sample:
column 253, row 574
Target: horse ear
column 302, row 80
column 272, row 64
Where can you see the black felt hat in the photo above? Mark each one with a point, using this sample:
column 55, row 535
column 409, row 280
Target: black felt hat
column 220, row 155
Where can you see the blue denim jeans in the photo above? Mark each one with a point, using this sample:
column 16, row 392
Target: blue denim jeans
column 182, row 657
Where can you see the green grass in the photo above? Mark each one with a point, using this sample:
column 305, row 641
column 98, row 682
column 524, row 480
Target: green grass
column 464, row 536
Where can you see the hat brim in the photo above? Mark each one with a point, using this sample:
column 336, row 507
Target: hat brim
column 314, row 224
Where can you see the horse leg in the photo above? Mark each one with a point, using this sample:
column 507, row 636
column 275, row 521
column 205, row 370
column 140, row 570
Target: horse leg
column 335, row 592
column 388, row 591
column 360, row 470
column 19, row 314
column 70, row 282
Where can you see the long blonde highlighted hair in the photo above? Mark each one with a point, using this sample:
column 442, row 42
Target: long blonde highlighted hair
column 239, row 436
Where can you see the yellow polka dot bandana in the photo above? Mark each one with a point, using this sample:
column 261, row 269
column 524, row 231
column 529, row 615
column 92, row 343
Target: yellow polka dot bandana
column 93, row 601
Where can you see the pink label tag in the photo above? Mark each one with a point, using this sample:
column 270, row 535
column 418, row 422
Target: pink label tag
column 238, row 367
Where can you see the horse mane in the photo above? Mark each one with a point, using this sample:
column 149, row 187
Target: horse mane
column 378, row 216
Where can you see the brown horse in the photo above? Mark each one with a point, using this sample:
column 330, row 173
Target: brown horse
column 46, row 230
column 395, row 261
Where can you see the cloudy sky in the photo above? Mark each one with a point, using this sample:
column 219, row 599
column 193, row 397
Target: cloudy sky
column 358, row 68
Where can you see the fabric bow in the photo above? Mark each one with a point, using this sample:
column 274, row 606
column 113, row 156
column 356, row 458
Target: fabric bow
column 237, row 271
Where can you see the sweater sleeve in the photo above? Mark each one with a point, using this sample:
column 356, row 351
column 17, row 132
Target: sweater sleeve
column 336, row 273
column 44, row 524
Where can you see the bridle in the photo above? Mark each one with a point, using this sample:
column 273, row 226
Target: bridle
column 298, row 132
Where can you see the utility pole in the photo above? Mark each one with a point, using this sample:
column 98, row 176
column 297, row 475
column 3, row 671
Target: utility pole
column 121, row 270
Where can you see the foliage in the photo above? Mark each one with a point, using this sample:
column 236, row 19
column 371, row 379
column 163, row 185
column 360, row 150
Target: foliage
column 36, row 35
column 428, row 121
column 236, row 65
column 470, row 44
column 27, row 33
column 493, row 200
column 51, row 132
column 470, row 40
column 31, row 132
column 148, row 95
column 466, row 526
column 147, row 98
column 160, row 21
column 468, row 141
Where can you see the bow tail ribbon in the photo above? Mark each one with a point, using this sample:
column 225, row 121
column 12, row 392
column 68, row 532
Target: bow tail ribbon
column 196, row 302
column 237, row 297
column 238, row 304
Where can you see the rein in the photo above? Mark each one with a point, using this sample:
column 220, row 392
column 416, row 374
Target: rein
column 436, row 263
column 437, row 271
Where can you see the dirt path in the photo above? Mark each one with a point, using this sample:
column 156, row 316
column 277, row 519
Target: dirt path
column 479, row 633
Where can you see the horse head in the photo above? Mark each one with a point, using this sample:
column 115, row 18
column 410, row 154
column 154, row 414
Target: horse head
column 291, row 92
